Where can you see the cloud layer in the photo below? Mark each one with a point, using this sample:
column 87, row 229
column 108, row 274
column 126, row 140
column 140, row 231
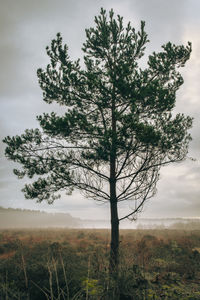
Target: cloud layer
column 27, row 27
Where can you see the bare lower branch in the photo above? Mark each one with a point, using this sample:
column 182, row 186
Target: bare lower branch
column 136, row 210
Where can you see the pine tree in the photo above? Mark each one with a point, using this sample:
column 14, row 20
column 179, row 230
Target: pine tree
column 117, row 127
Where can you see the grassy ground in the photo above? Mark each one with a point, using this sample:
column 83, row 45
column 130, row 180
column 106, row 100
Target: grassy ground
column 64, row 264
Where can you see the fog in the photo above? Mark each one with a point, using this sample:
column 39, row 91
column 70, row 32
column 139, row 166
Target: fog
column 19, row 218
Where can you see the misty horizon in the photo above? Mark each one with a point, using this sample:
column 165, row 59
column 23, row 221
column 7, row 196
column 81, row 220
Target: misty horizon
column 22, row 218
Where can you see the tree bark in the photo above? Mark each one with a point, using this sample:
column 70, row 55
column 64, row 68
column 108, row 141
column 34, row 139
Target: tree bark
column 114, row 246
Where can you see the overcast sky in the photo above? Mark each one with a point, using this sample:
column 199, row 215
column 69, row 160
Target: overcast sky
column 27, row 27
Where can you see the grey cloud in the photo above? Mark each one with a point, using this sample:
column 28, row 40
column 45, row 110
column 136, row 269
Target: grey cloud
column 27, row 27
column 164, row 18
column 178, row 191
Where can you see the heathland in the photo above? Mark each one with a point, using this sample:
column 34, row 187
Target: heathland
column 70, row 264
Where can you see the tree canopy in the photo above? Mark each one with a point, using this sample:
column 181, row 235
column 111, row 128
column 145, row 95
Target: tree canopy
column 117, row 128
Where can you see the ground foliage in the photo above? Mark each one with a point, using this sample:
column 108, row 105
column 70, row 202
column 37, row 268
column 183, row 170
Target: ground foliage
column 66, row 264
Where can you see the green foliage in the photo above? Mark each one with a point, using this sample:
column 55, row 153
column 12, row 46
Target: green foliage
column 116, row 115
column 92, row 288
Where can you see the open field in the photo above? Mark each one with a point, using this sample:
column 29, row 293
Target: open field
column 70, row 264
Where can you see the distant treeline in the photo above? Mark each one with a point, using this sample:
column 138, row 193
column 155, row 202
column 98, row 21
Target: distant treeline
column 24, row 218
column 190, row 225
column 175, row 223
column 20, row 218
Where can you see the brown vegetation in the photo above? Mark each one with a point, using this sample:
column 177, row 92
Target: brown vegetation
column 72, row 264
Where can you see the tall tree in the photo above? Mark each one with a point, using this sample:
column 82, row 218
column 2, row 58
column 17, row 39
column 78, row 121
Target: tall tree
column 117, row 129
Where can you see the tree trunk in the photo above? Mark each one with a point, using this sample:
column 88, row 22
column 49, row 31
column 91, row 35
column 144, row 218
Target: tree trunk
column 114, row 245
